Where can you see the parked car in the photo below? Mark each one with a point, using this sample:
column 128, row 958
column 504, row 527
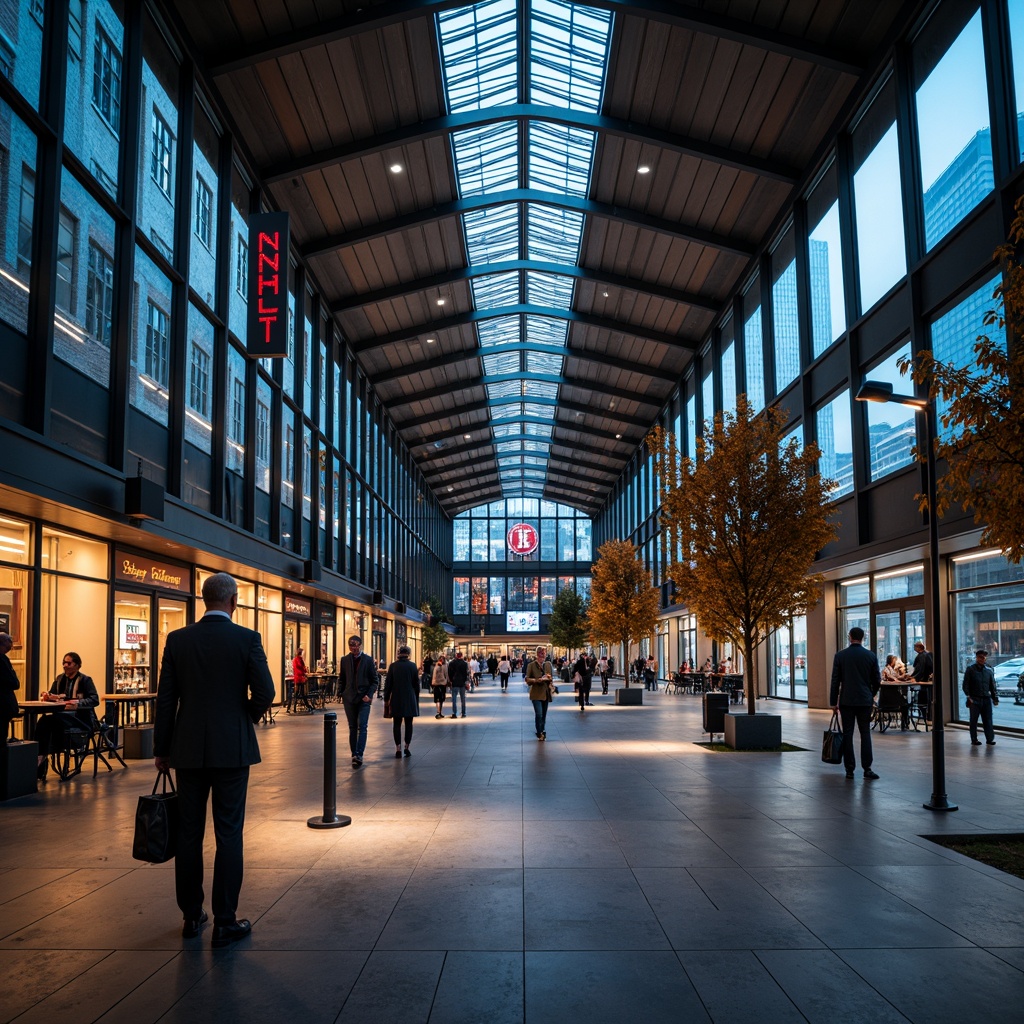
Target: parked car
column 1007, row 672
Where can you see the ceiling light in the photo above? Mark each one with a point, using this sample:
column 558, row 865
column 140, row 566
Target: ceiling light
column 643, row 169
column 467, row 436
column 430, row 341
column 618, row 437
column 440, row 302
column 450, row 488
column 396, row 168
column 604, row 294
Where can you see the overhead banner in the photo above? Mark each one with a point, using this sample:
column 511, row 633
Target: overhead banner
column 268, row 285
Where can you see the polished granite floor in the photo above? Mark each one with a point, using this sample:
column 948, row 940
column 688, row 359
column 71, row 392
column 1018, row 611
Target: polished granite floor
column 617, row 872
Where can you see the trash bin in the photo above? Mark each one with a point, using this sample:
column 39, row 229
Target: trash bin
column 716, row 707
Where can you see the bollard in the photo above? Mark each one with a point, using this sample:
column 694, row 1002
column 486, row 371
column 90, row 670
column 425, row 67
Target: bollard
column 330, row 818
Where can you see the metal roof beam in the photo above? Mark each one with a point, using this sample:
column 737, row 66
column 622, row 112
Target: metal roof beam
column 473, row 446
column 625, row 394
column 426, row 284
column 430, row 470
column 475, row 316
column 459, row 432
column 577, row 462
column 393, row 12
column 599, row 123
column 689, row 233
column 446, row 362
column 559, row 404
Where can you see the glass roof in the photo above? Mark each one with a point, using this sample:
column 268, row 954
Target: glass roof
column 558, row 64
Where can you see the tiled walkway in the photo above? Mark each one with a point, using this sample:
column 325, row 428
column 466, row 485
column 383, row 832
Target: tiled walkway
column 615, row 873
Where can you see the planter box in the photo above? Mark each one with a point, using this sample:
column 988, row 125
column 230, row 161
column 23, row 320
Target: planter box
column 629, row 695
column 746, row 732
column 138, row 742
column 18, row 769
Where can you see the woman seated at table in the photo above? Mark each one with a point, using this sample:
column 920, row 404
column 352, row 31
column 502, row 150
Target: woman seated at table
column 79, row 694
column 895, row 671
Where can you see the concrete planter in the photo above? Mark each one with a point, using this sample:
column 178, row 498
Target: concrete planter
column 629, row 695
column 746, row 732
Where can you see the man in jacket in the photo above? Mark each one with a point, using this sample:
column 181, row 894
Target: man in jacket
column 359, row 684
column 458, row 674
column 8, row 684
column 214, row 684
column 980, row 686
column 855, row 681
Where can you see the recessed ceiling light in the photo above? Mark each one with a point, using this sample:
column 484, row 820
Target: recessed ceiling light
column 643, row 169
column 430, row 341
column 450, row 488
column 467, row 436
column 604, row 294
column 440, row 302
column 618, row 437
column 396, row 168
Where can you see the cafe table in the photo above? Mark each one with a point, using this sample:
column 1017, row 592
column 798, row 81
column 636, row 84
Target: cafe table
column 32, row 709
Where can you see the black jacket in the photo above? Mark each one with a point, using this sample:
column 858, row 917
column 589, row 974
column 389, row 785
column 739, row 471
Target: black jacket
column 458, row 672
column 402, row 688
column 979, row 682
column 855, row 677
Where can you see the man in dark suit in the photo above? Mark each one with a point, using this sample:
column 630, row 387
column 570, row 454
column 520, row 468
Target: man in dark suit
column 8, row 684
column 855, row 681
column 214, row 684
column 359, row 684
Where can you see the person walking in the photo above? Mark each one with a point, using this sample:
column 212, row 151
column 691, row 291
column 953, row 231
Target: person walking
column 358, row 676
column 492, row 665
column 8, row 684
column 439, row 684
column 538, row 678
column 980, row 687
column 402, row 690
column 583, row 670
column 602, row 668
column 855, row 682
column 651, row 674
column 214, row 685
column 458, row 676
column 504, row 671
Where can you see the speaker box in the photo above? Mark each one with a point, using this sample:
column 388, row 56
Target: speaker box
column 143, row 498
column 400, row 607
column 378, row 597
column 311, row 570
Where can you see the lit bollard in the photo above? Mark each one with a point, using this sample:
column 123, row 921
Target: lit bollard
column 330, row 818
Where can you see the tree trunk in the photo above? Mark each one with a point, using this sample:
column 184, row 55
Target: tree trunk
column 625, row 660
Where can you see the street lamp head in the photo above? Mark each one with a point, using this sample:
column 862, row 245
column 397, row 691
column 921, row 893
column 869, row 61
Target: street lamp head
column 881, row 391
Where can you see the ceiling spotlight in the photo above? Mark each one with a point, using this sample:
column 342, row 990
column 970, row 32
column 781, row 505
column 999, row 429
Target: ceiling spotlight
column 430, row 341
column 466, row 437
column 450, row 488
column 643, row 169
column 604, row 294
column 618, row 437
column 395, row 168
column 440, row 302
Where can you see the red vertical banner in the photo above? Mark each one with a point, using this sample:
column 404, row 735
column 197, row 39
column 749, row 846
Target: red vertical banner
column 268, row 285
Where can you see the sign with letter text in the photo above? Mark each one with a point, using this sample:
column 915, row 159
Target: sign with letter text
column 522, row 539
column 268, row 285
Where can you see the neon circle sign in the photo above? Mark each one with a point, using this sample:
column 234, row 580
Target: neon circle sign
column 522, row 539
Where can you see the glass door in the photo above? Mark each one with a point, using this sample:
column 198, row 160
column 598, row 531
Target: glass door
column 170, row 615
column 889, row 636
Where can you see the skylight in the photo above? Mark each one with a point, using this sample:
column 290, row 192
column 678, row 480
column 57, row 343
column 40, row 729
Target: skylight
column 558, row 63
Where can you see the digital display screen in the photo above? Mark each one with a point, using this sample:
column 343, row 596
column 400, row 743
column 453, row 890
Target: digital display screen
column 522, row 622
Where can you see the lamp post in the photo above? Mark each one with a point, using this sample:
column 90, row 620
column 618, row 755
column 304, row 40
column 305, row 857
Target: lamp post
column 879, row 391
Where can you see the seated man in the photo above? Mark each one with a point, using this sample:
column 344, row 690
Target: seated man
column 79, row 693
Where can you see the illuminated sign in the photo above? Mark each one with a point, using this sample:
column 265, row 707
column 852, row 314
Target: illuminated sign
column 522, row 539
column 143, row 569
column 297, row 606
column 132, row 634
column 268, row 285
column 522, row 622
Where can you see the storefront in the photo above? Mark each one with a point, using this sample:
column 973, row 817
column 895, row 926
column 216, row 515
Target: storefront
column 151, row 598
column 298, row 630
column 324, row 658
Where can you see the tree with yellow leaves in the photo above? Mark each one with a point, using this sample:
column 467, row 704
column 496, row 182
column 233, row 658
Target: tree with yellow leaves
column 623, row 604
column 743, row 525
column 983, row 431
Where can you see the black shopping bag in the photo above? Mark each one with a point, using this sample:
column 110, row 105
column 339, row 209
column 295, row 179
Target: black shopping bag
column 832, row 742
column 156, row 823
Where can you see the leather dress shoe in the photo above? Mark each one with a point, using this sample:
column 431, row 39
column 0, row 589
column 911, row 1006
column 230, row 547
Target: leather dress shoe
column 191, row 926
column 225, row 934
column 869, row 774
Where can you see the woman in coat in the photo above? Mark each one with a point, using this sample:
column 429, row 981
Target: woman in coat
column 585, row 672
column 439, row 683
column 402, row 691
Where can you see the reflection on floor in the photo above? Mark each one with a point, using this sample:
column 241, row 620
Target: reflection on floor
column 616, row 872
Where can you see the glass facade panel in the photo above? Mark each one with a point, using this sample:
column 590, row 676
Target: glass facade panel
column 953, row 133
column 149, row 386
column 21, row 64
column 835, row 439
column 828, row 299
column 159, row 140
column 1016, row 16
column 754, row 351
column 238, row 306
column 728, row 376
column 892, row 428
column 199, row 383
column 18, row 178
column 202, row 257
column 785, row 322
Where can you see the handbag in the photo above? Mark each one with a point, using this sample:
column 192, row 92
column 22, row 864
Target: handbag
column 156, row 823
column 832, row 742
column 387, row 709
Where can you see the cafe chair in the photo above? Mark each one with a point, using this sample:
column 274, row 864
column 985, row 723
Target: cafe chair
column 104, row 741
column 70, row 755
column 891, row 708
column 919, row 709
